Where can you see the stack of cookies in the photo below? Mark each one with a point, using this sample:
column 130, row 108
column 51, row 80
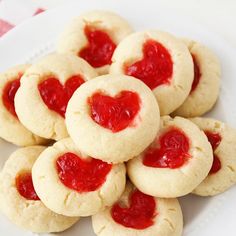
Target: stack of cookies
column 110, row 127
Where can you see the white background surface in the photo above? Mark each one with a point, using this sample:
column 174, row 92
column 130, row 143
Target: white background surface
column 217, row 15
column 203, row 216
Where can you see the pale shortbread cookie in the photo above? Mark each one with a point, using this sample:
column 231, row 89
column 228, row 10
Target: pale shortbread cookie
column 206, row 92
column 63, row 200
column 222, row 180
column 169, row 96
column 11, row 129
column 101, row 142
column 73, row 39
column 28, row 214
column 30, row 107
column 167, row 182
column 167, row 222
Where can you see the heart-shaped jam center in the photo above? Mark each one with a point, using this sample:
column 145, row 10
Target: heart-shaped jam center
column 215, row 140
column 156, row 67
column 80, row 174
column 173, row 150
column 9, row 93
column 55, row 95
column 25, row 187
column 100, row 48
column 197, row 74
column 139, row 214
column 114, row 113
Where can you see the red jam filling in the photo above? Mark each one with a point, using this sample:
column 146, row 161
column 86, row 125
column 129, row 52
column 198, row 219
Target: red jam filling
column 172, row 151
column 100, row 48
column 81, row 175
column 216, row 166
column 215, row 140
column 55, row 95
column 139, row 215
column 114, row 113
column 9, row 93
column 197, row 74
column 156, row 67
column 25, row 187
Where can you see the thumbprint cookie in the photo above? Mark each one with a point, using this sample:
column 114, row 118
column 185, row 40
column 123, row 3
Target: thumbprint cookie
column 176, row 162
column 161, row 61
column 94, row 37
column 113, row 117
column 45, row 90
column 72, row 183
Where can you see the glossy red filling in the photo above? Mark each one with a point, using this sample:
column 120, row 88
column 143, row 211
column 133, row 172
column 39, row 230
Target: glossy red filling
column 55, row 95
column 156, row 67
column 215, row 140
column 197, row 74
column 25, row 187
column 216, row 166
column 9, row 93
column 139, row 214
column 172, row 151
column 114, row 113
column 81, row 175
column 100, row 48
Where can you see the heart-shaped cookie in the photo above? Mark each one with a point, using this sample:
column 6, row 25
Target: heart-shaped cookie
column 82, row 175
column 156, row 67
column 114, row 113
column 139, row 214
column 55, row 95
column 100, row 48
column 171, row 152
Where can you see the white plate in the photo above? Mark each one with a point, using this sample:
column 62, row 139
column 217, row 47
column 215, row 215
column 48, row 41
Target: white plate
column 203, row 216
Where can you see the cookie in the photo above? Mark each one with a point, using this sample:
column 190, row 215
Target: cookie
column 94, row 37
column 223, row 171
column 113, row 117
column 138, row 214
column 161, row 61
column 82, row 185
column 206, row 83
column 175, row 163
column 11, row 128
column 45, row 90
column 18, row 199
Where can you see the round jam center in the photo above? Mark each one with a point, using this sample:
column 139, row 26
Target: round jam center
column 197, row 74
column 9, row 93
column 25, row 187
column 156, row 67
column 139, row 215
column 55, row 95
column 215, row 140
column 82, row 175
column 172, row 151
column 114, row 113
column 100, row 48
